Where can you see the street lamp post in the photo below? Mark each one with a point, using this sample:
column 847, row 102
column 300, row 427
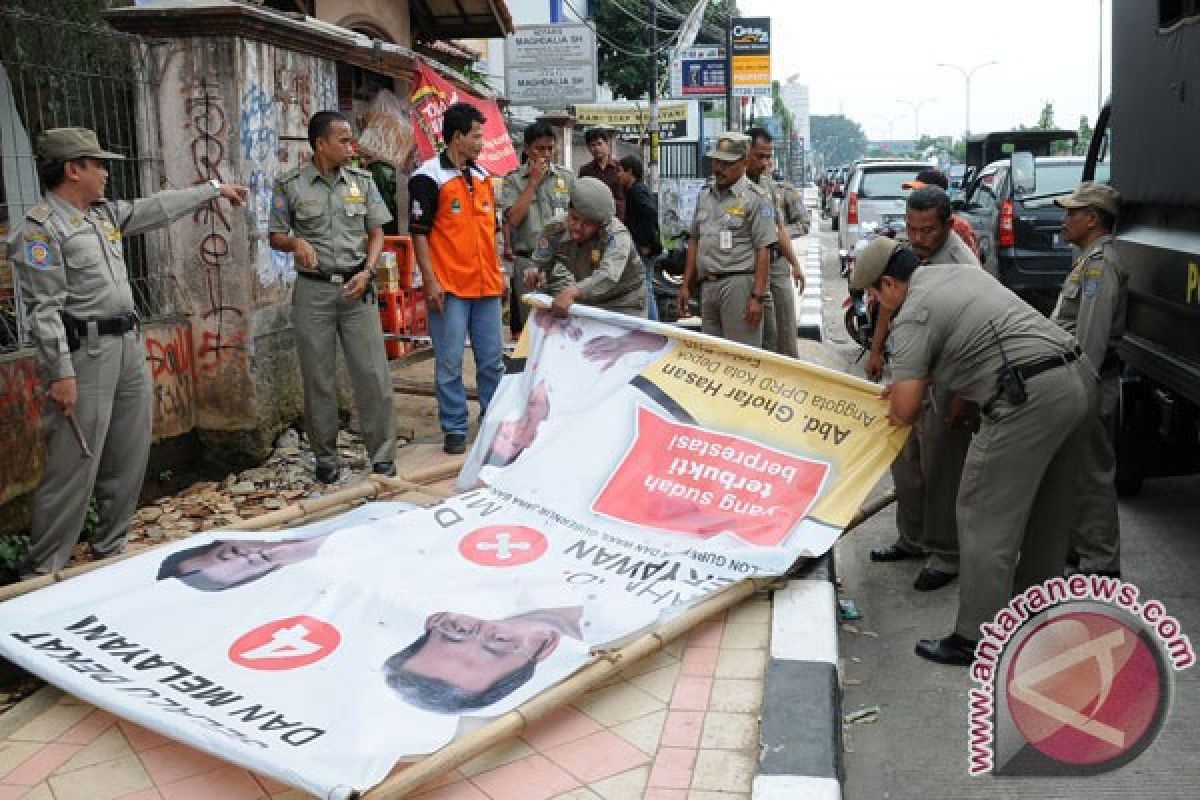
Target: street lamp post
column 916, row 109
column 968, row 73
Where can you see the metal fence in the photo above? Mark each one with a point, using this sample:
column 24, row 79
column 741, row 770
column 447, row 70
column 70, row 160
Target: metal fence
column 73, row 70
column 679, row 160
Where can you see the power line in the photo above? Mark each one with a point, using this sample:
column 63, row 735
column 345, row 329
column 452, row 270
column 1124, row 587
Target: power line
column 625, row 51
column 638, row 18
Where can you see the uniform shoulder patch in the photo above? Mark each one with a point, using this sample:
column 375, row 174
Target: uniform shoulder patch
column 37, row 253
column 40, row 213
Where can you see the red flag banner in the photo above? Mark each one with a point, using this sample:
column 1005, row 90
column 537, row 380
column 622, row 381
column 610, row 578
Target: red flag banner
column 431, row 95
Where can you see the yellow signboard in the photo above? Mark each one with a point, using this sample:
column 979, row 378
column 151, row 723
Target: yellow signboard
column 597, row 114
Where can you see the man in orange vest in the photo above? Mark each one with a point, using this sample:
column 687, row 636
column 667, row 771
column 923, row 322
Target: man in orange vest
column 453, row 225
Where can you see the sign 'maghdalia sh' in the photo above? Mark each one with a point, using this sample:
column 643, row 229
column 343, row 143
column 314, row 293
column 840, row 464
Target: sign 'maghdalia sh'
column 625, row 470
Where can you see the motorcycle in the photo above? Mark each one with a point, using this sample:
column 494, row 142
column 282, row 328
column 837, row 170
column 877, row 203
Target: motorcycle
column 666, row 271
column 861, row 315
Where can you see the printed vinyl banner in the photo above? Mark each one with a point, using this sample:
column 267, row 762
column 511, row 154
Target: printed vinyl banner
column 625, row 471
column 431, row 95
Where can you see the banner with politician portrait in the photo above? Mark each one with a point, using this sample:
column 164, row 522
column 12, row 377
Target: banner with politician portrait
column 624, row 472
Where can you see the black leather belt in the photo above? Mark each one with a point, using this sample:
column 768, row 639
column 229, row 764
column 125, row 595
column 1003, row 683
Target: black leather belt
column 331, row 277
column 1112, row 362
column 77, row 329
column 1027, row 371
column 523, row 253
column 717, row 276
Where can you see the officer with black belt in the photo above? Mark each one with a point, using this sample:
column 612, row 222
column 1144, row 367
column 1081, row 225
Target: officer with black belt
column 331, row 216
column 1092, row 306
column 730, row 248
column 71, row 272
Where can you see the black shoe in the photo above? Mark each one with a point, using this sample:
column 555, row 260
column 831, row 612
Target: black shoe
column 894, row 552
column 455, row 444
column 1071, row 570
column 955, row 650
column 930, row 579
column 386, row 468
column 327, row 473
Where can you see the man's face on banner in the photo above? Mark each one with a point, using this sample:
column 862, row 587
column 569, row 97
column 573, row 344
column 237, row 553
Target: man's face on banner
column 237, row 561
column 474, row 653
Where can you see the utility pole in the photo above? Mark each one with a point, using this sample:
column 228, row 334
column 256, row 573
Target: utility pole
column 916, row 109
column 652, row 181
column 729, row 74
column 967, row 74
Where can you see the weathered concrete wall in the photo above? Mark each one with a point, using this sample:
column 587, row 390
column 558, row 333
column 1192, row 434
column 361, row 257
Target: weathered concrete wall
column 385, row 16
column 21, row 456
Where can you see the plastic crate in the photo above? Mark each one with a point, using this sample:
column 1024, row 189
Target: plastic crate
column 402, row 279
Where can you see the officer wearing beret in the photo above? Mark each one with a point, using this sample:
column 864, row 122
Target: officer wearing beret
column 730, row 247
column 74, row 283
column 1092, row 306
column 531, row 198
column 963, row 331
column 331, row 216
column 590, row 258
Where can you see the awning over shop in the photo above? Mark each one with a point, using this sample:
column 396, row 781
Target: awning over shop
column 461, row 19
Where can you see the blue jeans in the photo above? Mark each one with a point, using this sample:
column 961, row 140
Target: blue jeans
column 651, row 301
column 479, row 317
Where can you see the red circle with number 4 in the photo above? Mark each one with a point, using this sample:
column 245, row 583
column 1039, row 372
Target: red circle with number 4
column 503, row 546
column 285, row 644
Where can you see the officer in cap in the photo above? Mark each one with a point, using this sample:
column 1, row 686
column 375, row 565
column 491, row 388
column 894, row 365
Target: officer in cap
column 74, row 283
column 730, row 247
column 963, row 331
column 1092, row 307
column 589, row 258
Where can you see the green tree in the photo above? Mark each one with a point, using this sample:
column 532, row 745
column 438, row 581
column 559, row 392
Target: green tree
column 1046, row 118
column 837, row 138
column 786, row 119
column 624, row 39
column 1085, row 136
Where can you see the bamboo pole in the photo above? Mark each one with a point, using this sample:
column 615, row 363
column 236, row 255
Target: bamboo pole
column 605, row 666
column 869, row 510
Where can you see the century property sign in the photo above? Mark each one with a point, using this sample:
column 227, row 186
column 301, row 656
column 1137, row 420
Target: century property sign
column 550, row 66
column 699, row 72
column 750, row 56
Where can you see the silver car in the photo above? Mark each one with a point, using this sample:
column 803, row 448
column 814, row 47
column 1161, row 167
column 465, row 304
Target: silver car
column 874, row 193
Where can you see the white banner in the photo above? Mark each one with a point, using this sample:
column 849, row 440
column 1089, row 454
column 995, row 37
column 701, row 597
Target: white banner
column 630, row 474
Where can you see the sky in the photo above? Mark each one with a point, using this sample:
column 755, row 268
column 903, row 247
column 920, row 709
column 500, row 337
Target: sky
column 861, row 57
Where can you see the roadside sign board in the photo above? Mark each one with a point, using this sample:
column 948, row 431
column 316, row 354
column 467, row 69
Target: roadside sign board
column 750, row 56
column 550, row 66
column 629, row 119
column 699, row 72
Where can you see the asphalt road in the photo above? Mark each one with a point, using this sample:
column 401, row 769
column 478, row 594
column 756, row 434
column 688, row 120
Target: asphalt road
column 917, row 747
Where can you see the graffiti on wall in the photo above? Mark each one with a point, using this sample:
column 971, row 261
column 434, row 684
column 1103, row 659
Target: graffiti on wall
column 260, row 148
column 222, row 324
column 169, row 354
column 20, row 426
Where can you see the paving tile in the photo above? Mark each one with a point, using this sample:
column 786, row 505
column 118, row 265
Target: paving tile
column 532, row 778
column 724, row 770
column 51, row 723
column 657, row 661
column 644, row 732
column 618, row 704
column 106, row 781
column 89, row 728
column 38, row 767
column 691, row 693
column 724, row 731
column 598, row 756
column 108, row 746
column 12, row 754
column 18, row 792
column 742, row 664
column 504, row 753
column 673, row 768
column 627, row 785
column 682, row 728
column 675, row 647
column 581, row 793
column 660, row 683
column 737, row 695
column 754, row 612
column 293, row 794
column 746, row 637
column 708, row 633
column 145, row 794
column 270, row 785
column 174, row 762
column 140, row 738
column 229, row 783
column 459, row 790
column 565, row 725
column 700, row 660
column 657, row 793
column 39, row 792
column 703, row 795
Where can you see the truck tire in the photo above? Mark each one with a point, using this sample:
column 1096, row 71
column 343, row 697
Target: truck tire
column 1129, row 476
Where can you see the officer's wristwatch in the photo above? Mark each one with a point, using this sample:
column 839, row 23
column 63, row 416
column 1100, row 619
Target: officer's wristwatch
column 216, row 184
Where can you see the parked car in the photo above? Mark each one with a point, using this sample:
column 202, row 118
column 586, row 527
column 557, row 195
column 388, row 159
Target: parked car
column 834, row 187
column 874, row 193
column 1020, row 235
column 955, row 173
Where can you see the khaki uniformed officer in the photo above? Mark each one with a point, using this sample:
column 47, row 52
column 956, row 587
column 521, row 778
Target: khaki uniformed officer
column 961, row 330
column 927, row 472
column 590, row 258
column 331, row 217
column 779, row 323
column 73, row 280
column 729, row 248
column 1092, row 306
column 531, row 197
